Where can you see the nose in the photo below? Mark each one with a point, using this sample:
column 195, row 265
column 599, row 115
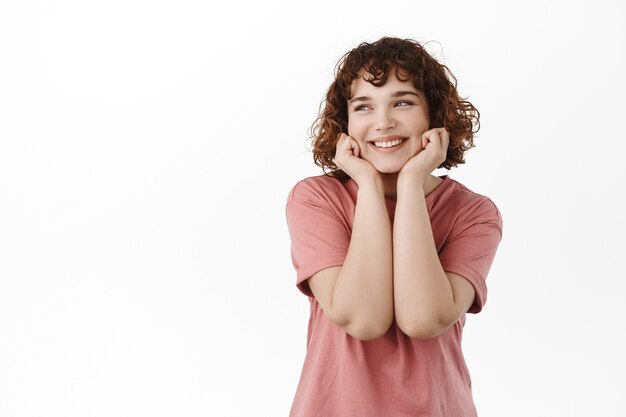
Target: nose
column 384, row 121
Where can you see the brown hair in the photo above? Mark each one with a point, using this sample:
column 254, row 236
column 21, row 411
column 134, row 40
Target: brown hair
column 411, row 61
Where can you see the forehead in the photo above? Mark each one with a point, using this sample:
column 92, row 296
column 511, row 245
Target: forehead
column 361, row 85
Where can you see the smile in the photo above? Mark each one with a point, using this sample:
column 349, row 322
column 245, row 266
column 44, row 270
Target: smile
column 389, row 144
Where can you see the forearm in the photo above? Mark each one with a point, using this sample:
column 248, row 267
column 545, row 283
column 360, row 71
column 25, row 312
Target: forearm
column 422, row 291
column 363, row 292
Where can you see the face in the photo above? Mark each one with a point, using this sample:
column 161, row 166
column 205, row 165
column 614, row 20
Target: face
column 387, row 122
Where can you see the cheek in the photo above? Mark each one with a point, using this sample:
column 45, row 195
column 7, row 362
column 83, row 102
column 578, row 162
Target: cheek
column 351, row 131
column 355, row 129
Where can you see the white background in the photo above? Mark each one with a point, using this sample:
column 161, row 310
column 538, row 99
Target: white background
column 146, row 152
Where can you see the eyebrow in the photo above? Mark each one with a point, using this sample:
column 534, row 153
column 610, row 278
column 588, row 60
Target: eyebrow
column 394, row 95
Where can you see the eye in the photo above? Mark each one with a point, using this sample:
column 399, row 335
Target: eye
column 403, row 103
column 362, row 107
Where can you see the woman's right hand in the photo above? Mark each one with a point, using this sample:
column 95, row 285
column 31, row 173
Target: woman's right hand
column 348, row 159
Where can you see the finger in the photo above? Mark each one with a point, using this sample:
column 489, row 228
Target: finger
column 431, row 136
column 343, row 149
column 440, row 137
column 424, row 141
column 445, row 142
column 356, row 150
column 337, row 151
column 347, row 146
column 340, row 139
column 340, row 145
column 445, row 137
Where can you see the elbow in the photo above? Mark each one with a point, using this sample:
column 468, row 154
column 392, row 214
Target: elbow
column 422, row 329
column 368, row 330
column 363, row 325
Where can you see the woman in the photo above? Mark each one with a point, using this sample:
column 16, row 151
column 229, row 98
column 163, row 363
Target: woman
column 391, row 256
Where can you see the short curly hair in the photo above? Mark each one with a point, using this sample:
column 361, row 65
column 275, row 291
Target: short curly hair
column 410, row 61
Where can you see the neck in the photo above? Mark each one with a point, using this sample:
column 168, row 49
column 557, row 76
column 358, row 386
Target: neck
column 390, row 182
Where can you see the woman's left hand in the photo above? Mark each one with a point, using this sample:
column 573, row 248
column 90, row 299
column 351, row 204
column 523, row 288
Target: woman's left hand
column 433, row 153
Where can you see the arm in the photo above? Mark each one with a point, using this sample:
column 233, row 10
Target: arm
column 358, row 296
column 427, row 299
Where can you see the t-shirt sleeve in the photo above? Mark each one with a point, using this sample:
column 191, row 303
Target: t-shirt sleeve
column 472, row 246
column 319, row 236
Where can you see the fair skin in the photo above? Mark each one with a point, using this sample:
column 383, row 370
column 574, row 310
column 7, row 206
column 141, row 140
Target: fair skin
column 391, row 272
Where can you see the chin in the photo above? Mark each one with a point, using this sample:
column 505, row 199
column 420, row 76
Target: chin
column 388, row 169
column 392, row 164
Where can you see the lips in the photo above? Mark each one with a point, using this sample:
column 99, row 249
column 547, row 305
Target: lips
column 386, row 142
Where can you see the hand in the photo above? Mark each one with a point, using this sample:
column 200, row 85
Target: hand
column 434, row 152
column 348, row 159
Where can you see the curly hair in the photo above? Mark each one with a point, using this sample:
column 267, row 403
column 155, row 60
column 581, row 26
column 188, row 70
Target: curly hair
column 411, row 62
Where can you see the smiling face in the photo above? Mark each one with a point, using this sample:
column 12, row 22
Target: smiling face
column 387, row 121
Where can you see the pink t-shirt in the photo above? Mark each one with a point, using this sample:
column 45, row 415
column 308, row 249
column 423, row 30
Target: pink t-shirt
column 394, row 375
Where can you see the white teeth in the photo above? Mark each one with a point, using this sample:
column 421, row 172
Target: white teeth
column 389, row 144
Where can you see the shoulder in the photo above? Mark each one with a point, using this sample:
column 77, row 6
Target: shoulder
column 471, row 207
column 316, row 188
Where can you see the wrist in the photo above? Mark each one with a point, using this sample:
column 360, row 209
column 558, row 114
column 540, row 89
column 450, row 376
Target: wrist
column 372, row 185
column 410, row 183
